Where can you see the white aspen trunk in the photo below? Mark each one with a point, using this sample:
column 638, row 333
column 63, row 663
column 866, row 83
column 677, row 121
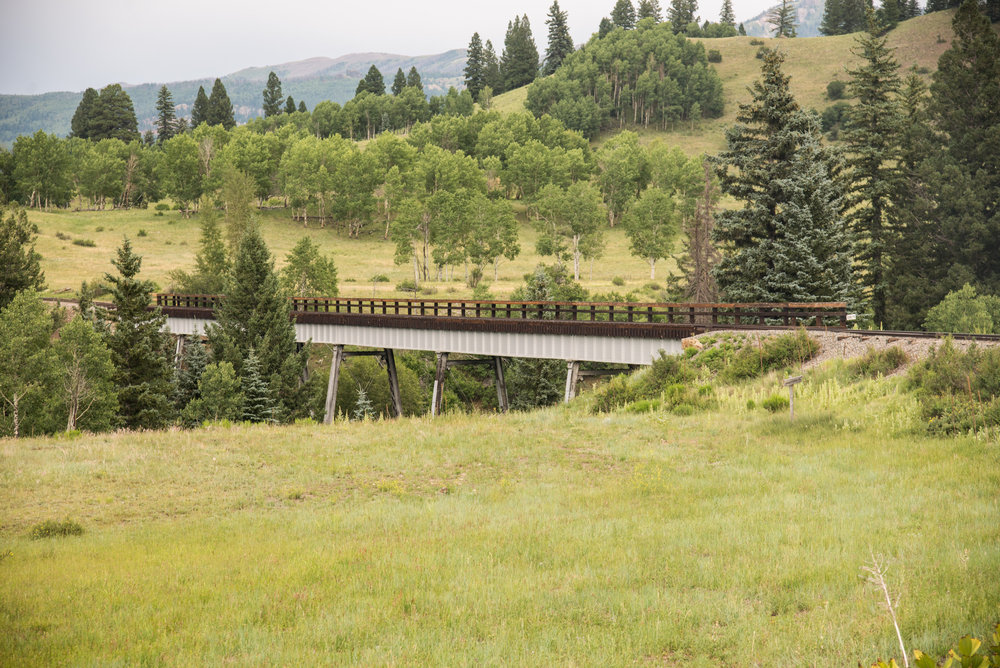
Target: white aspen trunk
column 416, row 270
column 652, row 268
column 576, row 257
column 496, row 270
column 17, row 415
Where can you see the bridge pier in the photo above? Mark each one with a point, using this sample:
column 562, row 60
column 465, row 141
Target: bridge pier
column 339, row 355
column 441, row 371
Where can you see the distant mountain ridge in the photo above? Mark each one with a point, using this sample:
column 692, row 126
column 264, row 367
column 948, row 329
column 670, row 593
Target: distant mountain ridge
column 311, row 81
column 808, row 12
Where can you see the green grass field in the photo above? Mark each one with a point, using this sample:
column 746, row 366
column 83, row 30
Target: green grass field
column 171, row 242
column 552, row 538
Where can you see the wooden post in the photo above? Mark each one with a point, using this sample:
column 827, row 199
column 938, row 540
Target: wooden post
column 331, row 386
column 790, row 383
column 572, row 375
column 501, row 385
column 442, row 368
column 390, row 367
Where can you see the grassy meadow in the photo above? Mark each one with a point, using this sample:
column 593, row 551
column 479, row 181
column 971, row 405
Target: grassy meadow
column 171, row 241
column 730, row 537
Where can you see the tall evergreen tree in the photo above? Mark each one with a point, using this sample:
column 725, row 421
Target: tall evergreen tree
column 272, row 95
column 474, row 72
column 302, row 107
column 199, row 111
column 682, row 13
column 519, row 63
column 139, row 347
column 19, row 262
column 258, row 404
column 399, row 83
column 650, row 9
column 727, row 17
column 788, row 241
column 872, row 135
column 623, row 15
column 189, row 373
column 605, row 27
column 84, row 115
column 289, row 105
column 491, row 69
column 372, row 82
column 114, row 116
column 220, row 109
column 255, row 316
column 166, row 118
column 783, row 19
column 560, row 43
column 413, row 80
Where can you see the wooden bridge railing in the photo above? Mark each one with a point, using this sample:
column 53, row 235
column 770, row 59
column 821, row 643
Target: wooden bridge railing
column 831, row 314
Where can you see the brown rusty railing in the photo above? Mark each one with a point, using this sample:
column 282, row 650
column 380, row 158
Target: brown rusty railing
column 712, row 316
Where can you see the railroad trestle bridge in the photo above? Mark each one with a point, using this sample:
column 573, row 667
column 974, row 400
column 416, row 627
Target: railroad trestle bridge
column 602, row 332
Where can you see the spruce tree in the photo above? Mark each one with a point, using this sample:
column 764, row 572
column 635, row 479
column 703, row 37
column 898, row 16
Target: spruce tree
column 623, row 15
column 258, row 405
column 491, row 69
column 682, row 13
column 413, row 79
column 605, row 27
column 560, row 43
column 189, row 373
column 519, row 63
column 220, row 109
column 114, row 116
column 872, row 135
column 727, row 17
column 19, row 262
column 474, row 72
column 139, row 346
column 166, row 118
column 290, row 105
column 199, row 111
column 399, row 83
column 741, row 30
column 255, row 315
column 782, row 18
column 84, row 115
column 302, row 107
column 272, row 96
column 372, row 83
column 650, row 9
column 788, row 241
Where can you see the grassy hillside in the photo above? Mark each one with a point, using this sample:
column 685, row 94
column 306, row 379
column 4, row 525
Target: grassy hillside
column 553, row 538
column 171, row 242
column 811, row 63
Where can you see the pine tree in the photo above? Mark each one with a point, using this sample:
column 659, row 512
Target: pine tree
column 255, row 315
column 782, row 18
column 19, row 262
column 258, row 405
column 650, row 9
column 872, row 135
column 560, row 43
column 84, row 115
column 491, row 69
column 728, row 17
column 363, row 408
column 742, row 31
column 114, row 116
column 166, row 118
column 413, row 79
column 272, row 95
column 682, row 13
column 220, row 109
column 139, row 347
column 189, row 373
column 474, row 72
column 605, row 27
column 199, row 111
column 623, row 15
column 788, row 242
column 302, row 107
column 290, row 105
column 399, row 83
column 519, row 63
column 372, row 83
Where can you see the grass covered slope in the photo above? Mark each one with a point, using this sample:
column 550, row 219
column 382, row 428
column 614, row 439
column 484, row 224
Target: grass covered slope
column 555, row 537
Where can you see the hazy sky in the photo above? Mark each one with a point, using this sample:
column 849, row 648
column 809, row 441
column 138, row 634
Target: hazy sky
column 52, row 45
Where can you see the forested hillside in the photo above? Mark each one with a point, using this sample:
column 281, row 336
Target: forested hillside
column 310, row 81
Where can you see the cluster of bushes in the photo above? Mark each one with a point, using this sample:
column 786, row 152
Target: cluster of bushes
column 958, row 391
column 736, row 358
column 668, row 384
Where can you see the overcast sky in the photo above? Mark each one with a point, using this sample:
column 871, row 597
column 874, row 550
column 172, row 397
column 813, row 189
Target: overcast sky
column 56, row 45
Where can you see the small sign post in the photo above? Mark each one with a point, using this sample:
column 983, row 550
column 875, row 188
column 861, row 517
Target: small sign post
column 790, row 383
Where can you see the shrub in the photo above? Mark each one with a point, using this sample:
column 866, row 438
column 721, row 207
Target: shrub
column 99, row 228
column 835, row 89
column 618, row 280
column 958, row 391
column 652, row 286
column 141, row 233
column 428, row 290
column 407, row 286
column 756, row 359
column 158, row 213
column 761, row 52
column 775, row 403
column 663, row 372
column 714, row 56
column 756, row 42
column 89, row 243
column 52, row 528
column 380, row 278
column 162, row 206
column 63, row 236
column 879, row 362
column 965, row 311
column 616, row 393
